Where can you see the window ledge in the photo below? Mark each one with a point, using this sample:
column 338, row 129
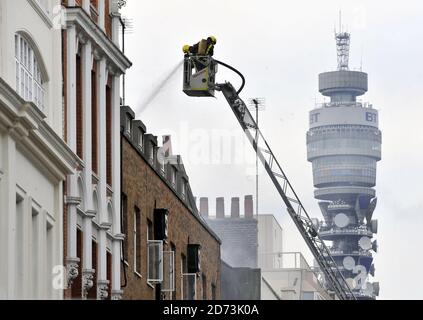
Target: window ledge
column 138, row 274
column 41, row 12
column 150, row 285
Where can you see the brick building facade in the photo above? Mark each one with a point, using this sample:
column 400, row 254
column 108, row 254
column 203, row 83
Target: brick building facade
column 147, row 184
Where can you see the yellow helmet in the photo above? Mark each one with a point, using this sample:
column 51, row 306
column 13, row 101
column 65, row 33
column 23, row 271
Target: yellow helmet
column 213, row 39
column 185, row 48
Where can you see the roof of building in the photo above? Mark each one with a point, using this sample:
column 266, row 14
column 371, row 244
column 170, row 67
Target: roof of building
column 176, row 162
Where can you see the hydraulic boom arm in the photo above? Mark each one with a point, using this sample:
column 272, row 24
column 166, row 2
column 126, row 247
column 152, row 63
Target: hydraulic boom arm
column 201, row 83
column 321, row 253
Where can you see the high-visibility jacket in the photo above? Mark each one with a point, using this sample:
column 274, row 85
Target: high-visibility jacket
column 202, row 48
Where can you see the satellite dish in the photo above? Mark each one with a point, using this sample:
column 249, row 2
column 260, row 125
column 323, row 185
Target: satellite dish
column 376, row 288
column 341, row 220
column 350, row 282
column 374, row 246
column 371, row 209
column 372, row 270
column 365, row 243
column 349, row 263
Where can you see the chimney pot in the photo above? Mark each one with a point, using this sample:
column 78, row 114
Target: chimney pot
column 248, row 207
column 204, row 207
column 235, row 207
column 220, row 208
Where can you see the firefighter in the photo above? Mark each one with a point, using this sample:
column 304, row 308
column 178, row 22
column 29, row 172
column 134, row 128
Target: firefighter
column 186, row 49
column 202, row 48
column 211, row 41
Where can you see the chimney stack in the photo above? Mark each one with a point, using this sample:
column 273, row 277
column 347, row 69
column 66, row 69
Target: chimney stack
column 204, row 207
column 248, row 207
column 220, row 208
column 235, row 207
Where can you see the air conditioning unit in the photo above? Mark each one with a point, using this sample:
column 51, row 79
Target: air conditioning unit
column 161, row 224
column 154, row 261
column 168, row 284
column 193, row 256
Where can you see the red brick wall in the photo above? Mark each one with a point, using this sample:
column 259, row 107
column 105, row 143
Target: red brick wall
column 107, row 19
column 94, row 3
column 145, row 189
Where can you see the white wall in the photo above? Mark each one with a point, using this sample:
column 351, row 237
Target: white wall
column 20, row 15
column 270, row 241
column 31, row 231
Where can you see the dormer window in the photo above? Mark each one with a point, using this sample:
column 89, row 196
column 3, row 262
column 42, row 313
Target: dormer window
column 140, row 139
column 29, row 79
column 128, row 124
column 163, row 166
column 184, row 189
column 173, row 177
column 151, row 154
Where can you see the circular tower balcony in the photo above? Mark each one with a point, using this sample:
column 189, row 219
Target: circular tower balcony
column 343, row 81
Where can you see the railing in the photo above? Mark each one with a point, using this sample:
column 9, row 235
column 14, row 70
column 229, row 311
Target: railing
column 283, row 260
column 324, row 229
column 352, row 253
column 290, row 260
column 367, row 105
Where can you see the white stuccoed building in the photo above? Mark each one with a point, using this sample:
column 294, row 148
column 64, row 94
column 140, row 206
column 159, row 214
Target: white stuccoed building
column 34, row 159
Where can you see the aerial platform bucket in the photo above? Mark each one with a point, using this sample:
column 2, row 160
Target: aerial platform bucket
column 199, row 76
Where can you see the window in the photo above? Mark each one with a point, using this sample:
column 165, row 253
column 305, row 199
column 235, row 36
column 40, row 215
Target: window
column 125, row 226
column 29, row 80
column 49, row 255
column 168, row 284
column 35, row 250
column 173, row 176
column 94, row 120
column 151, row 154
column 79, row 110
column 155, row 261
column 128, row 124
column 137, row 242
column 20, row 245
column 184, row 189
column 204, row 287
column 173, row 248
column 162, row 163
column 109, row 131
column 140, row 139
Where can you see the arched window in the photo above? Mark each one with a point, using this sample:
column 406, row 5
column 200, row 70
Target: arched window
column 29, row 79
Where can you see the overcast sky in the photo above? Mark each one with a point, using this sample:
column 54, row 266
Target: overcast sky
column 281, row 47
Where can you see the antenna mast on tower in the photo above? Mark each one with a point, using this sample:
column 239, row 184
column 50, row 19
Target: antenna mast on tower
column 342, row 46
